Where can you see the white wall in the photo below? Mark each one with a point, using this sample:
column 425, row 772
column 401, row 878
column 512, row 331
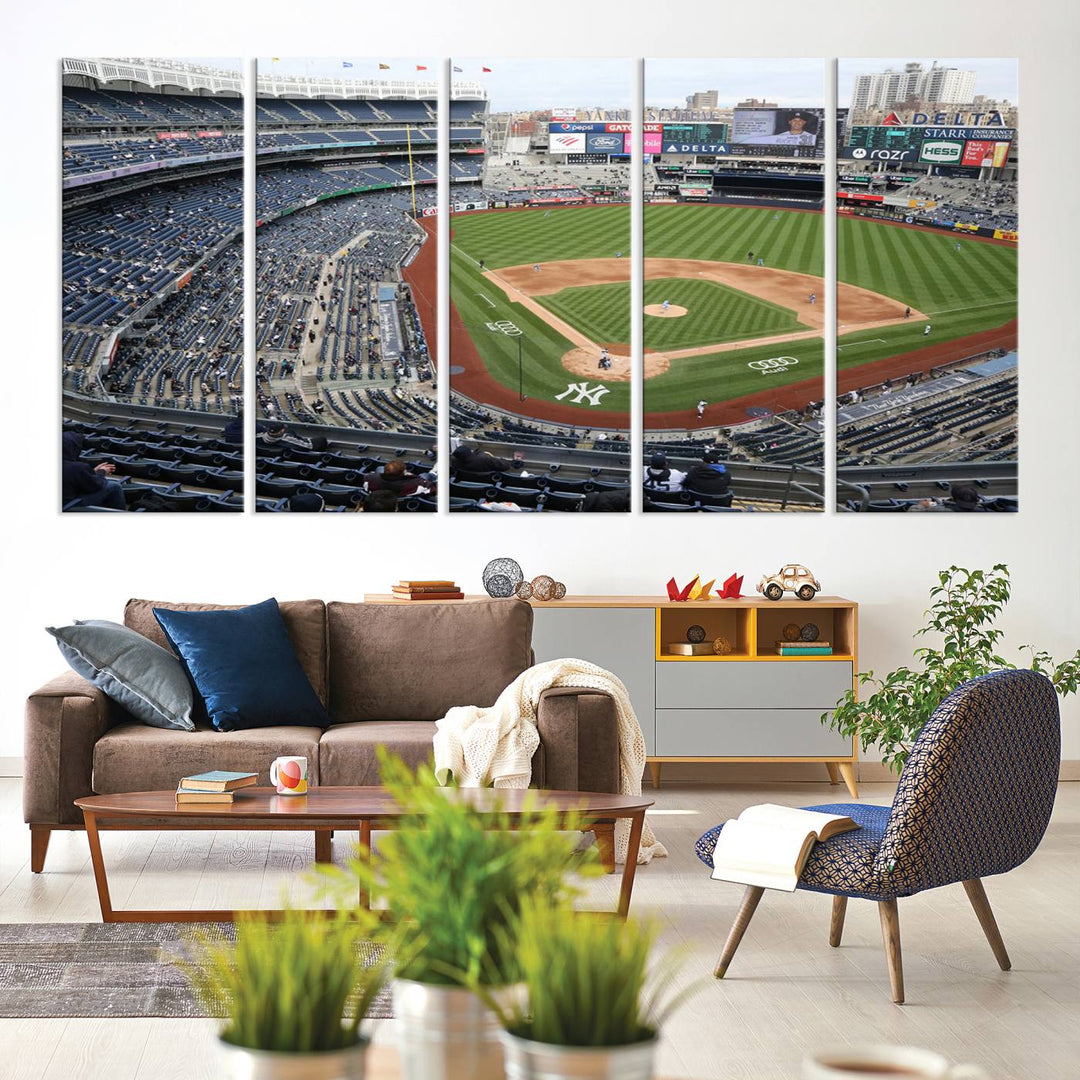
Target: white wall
column 87, row 565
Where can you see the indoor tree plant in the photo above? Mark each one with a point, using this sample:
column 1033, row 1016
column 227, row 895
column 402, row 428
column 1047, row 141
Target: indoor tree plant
column 453, row 880
column 592, row 1004
column 293, row 993
column 964, row 608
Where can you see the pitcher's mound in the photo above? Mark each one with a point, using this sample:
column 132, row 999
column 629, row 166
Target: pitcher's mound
column 673, row 311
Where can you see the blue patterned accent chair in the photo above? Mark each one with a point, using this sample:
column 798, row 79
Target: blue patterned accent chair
column 974, row 799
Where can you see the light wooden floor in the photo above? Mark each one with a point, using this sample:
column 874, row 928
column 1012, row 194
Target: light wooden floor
column 786, row 992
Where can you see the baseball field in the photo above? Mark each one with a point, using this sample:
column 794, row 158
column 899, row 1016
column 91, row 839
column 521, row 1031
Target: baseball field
column 556, row 284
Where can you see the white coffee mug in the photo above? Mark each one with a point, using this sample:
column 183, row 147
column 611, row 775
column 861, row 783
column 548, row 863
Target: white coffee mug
column 289, row 775
column 877, row 1061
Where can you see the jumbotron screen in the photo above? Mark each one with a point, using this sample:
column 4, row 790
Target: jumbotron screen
column 796, row 128
column 972, row 147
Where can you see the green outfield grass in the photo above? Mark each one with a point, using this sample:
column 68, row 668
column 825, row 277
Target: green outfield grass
column 715, row 313
column 963, row 292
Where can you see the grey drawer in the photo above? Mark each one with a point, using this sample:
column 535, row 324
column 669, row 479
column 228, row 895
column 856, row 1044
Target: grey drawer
column 766, row 684
column 746, row 733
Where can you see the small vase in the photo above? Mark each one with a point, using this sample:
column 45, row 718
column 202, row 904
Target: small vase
column 445, row 1033
column 528, row 1060
column 240, row 1063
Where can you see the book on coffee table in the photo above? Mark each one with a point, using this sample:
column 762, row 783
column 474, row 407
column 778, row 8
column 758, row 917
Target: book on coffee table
column 768, row 845
column 218, row 780
column 185, row 796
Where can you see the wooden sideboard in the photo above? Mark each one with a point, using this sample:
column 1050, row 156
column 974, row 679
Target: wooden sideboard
column 750, row 705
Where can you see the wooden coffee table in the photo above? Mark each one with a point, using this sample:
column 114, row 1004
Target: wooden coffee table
column 323, row 810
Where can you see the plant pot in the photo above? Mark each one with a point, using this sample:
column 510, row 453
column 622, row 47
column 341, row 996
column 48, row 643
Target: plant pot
column 240, row 1063
column 528, row 1060
column 445, row 1033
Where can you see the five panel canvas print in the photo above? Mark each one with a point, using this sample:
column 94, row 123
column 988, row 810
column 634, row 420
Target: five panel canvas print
column 734, row 325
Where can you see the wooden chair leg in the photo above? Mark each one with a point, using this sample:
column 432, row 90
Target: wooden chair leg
column 890, row 934
column 747, row 908
column 836, row 923
column 39, row 844
column 977, row 895
column 605, row 845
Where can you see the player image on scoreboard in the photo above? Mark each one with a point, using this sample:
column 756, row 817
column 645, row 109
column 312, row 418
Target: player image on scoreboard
column 777, row 127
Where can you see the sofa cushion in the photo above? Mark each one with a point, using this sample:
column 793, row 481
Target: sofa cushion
column 244, row 666
column 305, row 621
column 133, row 757
column 347, row 751
column 414, row 662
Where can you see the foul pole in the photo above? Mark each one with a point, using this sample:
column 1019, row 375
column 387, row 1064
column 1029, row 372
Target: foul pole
column 412, row 176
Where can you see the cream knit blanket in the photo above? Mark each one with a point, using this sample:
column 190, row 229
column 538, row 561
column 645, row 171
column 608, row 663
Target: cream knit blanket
column 495, row 746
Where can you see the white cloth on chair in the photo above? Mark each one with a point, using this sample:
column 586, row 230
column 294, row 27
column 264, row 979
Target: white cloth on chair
column 495, row 746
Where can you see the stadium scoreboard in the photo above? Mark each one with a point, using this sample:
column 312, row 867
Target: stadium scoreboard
column 972, row 147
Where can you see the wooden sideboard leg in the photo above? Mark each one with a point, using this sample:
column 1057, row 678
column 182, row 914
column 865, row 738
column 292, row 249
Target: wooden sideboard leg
column 834, row 772
column 977, row 895
column 654, row 769
column 605, row 845
column 39, row 844
column 836, row 923
column 749, row 904
column 890, row 934
column 847, row 771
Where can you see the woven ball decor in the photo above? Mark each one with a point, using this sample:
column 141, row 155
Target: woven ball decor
column 791, row 632
column 721, row 646
column 543, row 587
column 560, row 590
column 810, row 632
column 524, row 590
column 695, row 634
column 501, row 577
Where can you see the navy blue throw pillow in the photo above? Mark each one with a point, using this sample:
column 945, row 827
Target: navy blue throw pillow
column 244, row 665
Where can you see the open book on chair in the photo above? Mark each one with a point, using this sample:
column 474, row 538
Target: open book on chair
column 768, row 845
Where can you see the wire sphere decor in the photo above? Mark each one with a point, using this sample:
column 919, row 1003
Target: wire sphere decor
column 501, row 577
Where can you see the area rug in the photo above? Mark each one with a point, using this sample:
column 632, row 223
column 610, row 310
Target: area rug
column 110, row 969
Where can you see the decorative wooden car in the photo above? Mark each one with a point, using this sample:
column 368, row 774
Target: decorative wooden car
column 791, row 578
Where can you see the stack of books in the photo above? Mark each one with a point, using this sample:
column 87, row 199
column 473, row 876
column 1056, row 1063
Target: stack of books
column 213, row 787
column 687, row 648
column 804, row 648
column 427, row 590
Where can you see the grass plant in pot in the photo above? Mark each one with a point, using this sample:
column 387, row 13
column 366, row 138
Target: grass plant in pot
column 293, row 993
column 452, row 880
column 592, row 1005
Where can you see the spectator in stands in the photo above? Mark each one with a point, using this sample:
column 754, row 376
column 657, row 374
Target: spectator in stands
column 611, row 501
column 306, row 502
column 275, row 435
column 964, row 499
column 709, row 476
column 659, row 476
column 470, row 458
column 86, row 485
column 393, row 476
column 233, row 432
column 379, row 502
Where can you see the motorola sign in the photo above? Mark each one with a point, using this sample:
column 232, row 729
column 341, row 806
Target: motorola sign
column 861, row 153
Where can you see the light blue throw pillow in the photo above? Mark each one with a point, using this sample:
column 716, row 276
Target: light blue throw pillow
column 145, row 679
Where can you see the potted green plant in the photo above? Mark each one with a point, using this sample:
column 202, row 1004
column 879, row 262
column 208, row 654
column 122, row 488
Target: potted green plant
column 293, row 993
column 592, row 1006
column 452, row 879
column 965, row 605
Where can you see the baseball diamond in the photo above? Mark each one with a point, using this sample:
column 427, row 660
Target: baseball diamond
column 737, row 313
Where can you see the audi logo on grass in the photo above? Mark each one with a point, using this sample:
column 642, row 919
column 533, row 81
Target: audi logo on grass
column 773, row 364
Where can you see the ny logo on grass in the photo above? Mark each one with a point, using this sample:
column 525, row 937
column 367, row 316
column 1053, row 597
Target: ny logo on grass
column 582, row 392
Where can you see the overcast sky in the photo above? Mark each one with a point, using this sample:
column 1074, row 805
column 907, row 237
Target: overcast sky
column 544, row 84
column 362, row 67
column 796, row 82
column 996, row 77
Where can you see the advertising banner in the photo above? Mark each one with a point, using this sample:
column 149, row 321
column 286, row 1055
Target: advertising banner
column 162, row 135
column 562, row 142
column 653, row 142
column 942, row 151
column 605, row 144
column 582, row 126
column 1001, row 154
column 209, row 134
column 1005, row 234
column 978, row 152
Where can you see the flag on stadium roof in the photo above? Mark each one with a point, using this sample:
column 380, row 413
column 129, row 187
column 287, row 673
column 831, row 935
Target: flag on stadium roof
column 456, row 68
column 275, row 59
column 485, row 69
column 384, row 67
column 421, row 67
column 346, row 63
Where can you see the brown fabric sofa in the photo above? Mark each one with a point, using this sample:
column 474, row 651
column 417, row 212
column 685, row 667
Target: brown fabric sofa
column 384, row 672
